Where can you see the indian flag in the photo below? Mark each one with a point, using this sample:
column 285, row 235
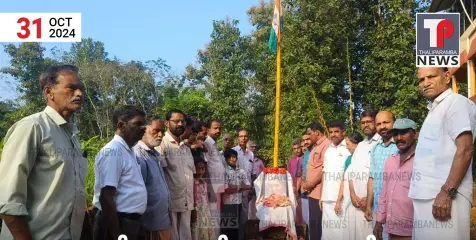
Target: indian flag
column 277, row 29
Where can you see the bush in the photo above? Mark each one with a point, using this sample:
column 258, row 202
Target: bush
column 91, row 147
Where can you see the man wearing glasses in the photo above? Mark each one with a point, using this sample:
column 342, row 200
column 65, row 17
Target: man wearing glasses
column 179, row 168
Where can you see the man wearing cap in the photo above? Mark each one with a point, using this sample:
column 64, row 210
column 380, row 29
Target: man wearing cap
column 443, row 192
column 395, row 207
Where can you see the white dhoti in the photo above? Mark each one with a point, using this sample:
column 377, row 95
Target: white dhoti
column 305, row 210
column 425, row 226
column 358, row 227
column 333, row 225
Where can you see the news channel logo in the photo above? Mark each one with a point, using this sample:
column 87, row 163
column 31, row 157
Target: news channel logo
column 437, row 40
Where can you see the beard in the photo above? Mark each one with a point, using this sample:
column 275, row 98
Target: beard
column 153, row 141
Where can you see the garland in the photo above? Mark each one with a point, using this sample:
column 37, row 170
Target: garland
column 274, row 170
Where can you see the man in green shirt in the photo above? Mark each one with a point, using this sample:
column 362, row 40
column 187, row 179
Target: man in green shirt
column 42, row 167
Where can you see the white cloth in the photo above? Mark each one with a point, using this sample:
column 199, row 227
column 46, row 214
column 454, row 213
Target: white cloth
column 181, row 226
column 360, row 165
column 450, row 115
column 305, row 210
column 425, row 226
column 279, row 184
column 116, row 165
column 358, row 227
column 245, row 160
column 216, row 168
column 334, row 162
column 333, row 225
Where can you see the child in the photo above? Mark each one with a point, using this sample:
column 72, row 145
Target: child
column 237, row 182
column 201, row 229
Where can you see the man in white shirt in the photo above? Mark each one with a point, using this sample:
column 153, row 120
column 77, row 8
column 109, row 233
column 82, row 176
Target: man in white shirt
column 334, row 161
column 119, row 190
column 245, row 162
column 357, row 175
column 179, row 169
column 441, row 187
column 216, row 171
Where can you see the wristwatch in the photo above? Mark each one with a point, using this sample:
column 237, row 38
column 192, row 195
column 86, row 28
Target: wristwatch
column 451, row 191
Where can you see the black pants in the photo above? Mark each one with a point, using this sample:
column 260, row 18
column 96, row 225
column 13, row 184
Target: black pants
column 230, row 221
column 129, row 225
column 315, row 219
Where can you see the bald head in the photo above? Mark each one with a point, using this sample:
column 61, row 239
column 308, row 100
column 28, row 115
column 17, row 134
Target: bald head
column 384, row 122
column 433, row 81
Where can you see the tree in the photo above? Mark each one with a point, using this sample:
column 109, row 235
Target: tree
column 224, row 69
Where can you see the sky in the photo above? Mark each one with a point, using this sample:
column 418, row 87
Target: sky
column 140, row 30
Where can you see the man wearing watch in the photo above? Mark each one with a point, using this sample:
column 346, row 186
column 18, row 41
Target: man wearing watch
column 441, row 188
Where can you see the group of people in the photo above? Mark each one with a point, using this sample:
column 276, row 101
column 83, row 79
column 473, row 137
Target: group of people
column 156, row 179
column 398, row 182
column 167, row 179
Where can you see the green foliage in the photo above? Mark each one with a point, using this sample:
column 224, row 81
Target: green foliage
column 92, row 146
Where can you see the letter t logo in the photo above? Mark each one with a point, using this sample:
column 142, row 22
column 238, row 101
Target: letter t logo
column 439, row 30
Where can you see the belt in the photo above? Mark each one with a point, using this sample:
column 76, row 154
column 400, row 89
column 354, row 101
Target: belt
column 132, row 216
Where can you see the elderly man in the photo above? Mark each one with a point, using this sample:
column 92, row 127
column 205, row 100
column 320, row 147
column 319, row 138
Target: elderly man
column 334, row 161
column 380, row 153
column 179, row 169
column 156, row 220
column 442, row 195
column 245, row 162
column 42, row 167
column 395, row 207
column 357, row 177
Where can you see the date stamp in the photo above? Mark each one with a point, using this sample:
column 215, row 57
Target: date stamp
column 40, row 27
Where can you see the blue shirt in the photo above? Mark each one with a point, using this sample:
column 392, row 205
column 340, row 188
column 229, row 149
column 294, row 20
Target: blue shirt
column 305, row 163
column 378, row 156
column 157, row 216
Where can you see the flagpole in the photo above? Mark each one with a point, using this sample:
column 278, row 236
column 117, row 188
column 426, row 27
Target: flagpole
column 278, row 93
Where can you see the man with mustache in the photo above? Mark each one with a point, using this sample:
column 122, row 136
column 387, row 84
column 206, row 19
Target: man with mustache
column 119, row 190
column 313, row 184
column 395, row 207
column 156, row 220
column 228, row 141
column 216, row 171
column 42, row 165
column 179, row 169
column 443, row 193
column 245, row 162
column 357, row 176
column 334, row 161
column 380, row 153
